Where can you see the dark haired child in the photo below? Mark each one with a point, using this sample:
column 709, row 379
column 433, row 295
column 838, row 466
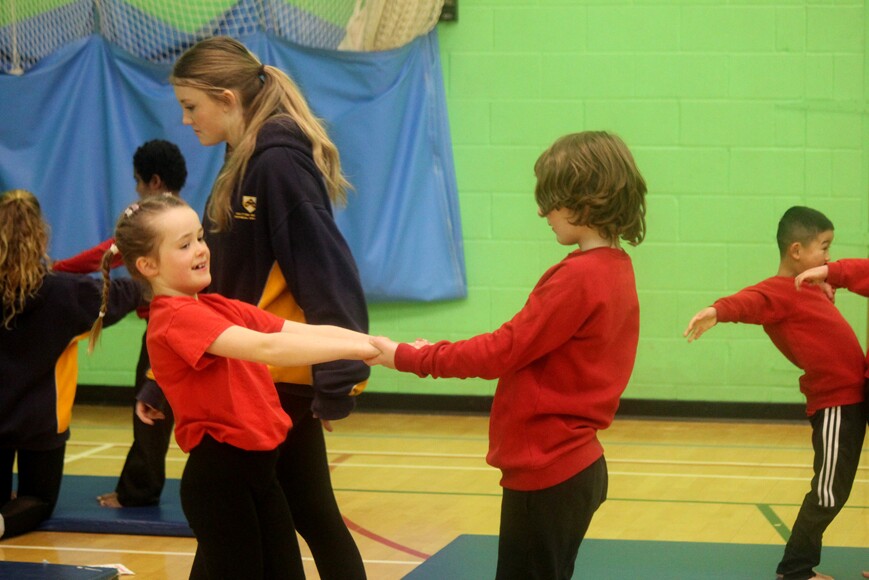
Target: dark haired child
column 210, row 355
column 811, row 332
column 158, row 167
column 562, row 362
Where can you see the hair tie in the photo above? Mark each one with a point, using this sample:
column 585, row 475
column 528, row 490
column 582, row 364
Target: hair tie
column 261, row 73
column 113, row 249
column 102, row 314
column 131, row 209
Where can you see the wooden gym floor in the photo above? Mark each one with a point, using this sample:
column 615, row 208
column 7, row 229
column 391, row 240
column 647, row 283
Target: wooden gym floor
column 408, row 484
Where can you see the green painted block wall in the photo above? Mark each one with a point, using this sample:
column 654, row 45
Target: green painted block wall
column 735, row 111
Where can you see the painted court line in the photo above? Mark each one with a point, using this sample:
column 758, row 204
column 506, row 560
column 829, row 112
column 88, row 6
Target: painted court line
column 629, row 473
column 775, row 521
column 85, row 454
column 385, row 541
column 167, row 553
column 611, row 460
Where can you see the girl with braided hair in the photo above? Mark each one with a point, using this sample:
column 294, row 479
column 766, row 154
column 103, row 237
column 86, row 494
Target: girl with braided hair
column 210, row 354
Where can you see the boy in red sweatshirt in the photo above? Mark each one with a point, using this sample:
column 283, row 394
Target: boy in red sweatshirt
column 563, row 361
column 852, row 274
column 809, row 330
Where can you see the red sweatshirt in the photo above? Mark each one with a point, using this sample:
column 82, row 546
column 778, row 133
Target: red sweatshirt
column 563, row 361
column 88, row 261
column 853, row 275
column 810, row 331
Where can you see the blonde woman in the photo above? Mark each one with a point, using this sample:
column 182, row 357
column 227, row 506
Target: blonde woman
column 275, row 244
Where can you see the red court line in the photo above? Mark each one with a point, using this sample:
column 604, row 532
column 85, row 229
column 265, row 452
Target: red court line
column 385, row 541
column 368, row 533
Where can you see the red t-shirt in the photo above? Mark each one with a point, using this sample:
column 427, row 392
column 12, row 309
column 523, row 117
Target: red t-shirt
column 563, row 361
column 810, row 331
column 232, row 400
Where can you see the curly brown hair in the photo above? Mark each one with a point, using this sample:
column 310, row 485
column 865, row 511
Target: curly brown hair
column 594, row 175
column 24, row 261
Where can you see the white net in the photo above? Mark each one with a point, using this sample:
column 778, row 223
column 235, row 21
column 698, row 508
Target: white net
column 160, row 30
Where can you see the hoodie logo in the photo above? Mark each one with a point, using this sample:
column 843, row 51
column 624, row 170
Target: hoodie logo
column 248, row 202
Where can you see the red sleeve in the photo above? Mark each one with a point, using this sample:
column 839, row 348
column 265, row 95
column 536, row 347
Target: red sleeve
column 258, row 319
column 88, row 261
column 752, row 305
column 191, row 330
column 560, row 303
column 852, row 274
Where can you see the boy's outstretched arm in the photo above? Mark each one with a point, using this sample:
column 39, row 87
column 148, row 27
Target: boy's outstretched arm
column 387, row 348
column 815, row 275
column 702, row 321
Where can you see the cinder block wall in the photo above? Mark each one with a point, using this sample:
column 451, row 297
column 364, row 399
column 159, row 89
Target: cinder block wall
column 734, row 110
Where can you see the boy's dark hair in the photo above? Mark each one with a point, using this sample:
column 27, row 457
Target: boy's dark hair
column 163, row 158
column 800, row 224
column 594, row 175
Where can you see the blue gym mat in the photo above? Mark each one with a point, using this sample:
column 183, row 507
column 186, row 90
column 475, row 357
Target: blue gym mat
column 45, row 571
column 471, row 557
column 78, row 511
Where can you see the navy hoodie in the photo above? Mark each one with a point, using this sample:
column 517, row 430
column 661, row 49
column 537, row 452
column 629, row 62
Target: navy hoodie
column 283, row 252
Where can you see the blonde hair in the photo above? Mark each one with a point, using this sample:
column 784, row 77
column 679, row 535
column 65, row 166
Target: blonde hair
column 221, row 63
column 136, row 236
column 24, row 261
column 594, row 175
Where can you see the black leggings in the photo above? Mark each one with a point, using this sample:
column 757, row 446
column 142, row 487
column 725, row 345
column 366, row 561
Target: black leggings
column 39, row 477
column 303, row 472
column 541, row 531
column 238, row 513
column 144, row 473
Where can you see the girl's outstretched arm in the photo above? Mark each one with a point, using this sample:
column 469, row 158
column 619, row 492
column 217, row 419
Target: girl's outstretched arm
column 322, row 330
column 290, row 349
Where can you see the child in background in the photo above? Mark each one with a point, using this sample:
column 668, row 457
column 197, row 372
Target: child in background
column 44, row 313
column 563, row 361
column 158, row 167
column 811, row 332
column 210, row 355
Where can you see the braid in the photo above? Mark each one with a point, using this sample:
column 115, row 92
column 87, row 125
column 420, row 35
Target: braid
column 105, row 269
column 135, row 237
